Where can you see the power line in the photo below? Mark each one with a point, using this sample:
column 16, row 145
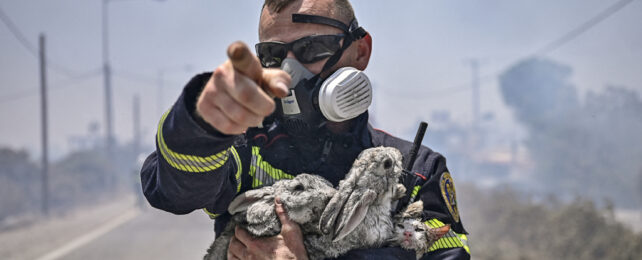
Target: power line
column 140, row 78
column 61, row 85
column 444, row 91
column 30, row 48
column 577, row 31
column 16, row 33
column 606, row 13
column 556, row 44
column 136, row 77
column 73, row 81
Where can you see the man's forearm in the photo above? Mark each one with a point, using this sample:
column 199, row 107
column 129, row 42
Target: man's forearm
column 191, row 167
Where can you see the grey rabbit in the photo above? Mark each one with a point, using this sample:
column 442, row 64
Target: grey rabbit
column 412, row 233
column 358, row 215
column 304, row 197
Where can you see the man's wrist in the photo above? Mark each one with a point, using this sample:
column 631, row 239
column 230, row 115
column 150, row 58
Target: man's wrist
column 192, row 94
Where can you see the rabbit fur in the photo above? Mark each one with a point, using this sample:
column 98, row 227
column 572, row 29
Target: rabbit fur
column 304, row 197
column 412, row 233
column 358, row 215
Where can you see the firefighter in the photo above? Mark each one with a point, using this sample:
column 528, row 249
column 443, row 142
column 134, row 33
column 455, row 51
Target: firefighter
column 256, row 120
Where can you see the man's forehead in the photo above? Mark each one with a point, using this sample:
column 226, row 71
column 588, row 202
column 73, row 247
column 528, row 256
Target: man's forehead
column 272, row 21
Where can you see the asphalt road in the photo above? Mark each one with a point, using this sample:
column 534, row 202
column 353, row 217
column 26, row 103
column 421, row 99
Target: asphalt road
column 120, row 231
column 151, row 234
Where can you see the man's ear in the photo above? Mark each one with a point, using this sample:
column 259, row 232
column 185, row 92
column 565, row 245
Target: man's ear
column 364, row 49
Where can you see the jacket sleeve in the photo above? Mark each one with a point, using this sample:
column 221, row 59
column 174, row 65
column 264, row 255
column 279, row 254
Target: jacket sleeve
column 437, row 191
column 194, row 166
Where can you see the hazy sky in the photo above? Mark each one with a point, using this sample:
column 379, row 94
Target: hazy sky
column 419, row 64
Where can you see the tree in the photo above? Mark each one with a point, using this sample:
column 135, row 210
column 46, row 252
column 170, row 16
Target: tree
column 19, row 183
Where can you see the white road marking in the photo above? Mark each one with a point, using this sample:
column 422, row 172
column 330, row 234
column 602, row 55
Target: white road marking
column 86, row 238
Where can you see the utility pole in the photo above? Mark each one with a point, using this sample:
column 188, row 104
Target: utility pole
column 109, row 128
column 640, row 198
column 43, row 112
column 475, row 136
column 474, row 65
column 160, row 102
column 136, row 117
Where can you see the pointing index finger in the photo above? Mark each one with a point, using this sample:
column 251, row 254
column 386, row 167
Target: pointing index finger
column 244, row 61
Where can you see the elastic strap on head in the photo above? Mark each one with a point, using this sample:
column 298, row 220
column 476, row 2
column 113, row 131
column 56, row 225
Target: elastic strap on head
column 352, row 32
column 308, row 18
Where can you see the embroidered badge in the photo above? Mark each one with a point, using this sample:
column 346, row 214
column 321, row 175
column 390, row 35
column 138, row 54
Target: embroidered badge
column 447, row 187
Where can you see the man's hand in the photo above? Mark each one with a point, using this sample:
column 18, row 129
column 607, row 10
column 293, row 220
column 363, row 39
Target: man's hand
column 286, row 245
column 237, row 96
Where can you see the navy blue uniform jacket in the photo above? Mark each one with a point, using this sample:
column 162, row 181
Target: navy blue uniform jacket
column 196, row 167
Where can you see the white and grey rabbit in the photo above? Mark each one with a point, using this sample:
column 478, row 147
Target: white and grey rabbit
column 358, row 215
column 304, row 197
column 412, row 233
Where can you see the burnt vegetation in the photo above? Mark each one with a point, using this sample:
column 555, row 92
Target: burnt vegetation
column 506, row 224
column 79, row 179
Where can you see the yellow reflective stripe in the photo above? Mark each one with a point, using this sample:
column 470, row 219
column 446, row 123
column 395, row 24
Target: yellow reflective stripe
column 449, row 240
column 415, row 191
column 262, row 172
column 239, row 168
column 237, row 158
column 435, row 223
column 188, row 163
column 255, row 181
column 212, row 215
column 464, row 240
column 275, row 173
column 185, row 162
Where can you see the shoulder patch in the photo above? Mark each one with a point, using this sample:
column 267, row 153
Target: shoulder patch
column 447, row 187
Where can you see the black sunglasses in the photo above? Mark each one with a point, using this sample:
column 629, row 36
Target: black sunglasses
column 307, row 50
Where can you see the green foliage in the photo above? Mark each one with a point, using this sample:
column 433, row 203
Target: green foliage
column 505, row 224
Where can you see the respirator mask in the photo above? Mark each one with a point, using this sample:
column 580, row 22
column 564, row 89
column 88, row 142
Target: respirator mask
column 313, row 101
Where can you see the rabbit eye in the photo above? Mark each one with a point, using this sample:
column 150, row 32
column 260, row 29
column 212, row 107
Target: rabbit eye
column 298, row 187
column 387, row 164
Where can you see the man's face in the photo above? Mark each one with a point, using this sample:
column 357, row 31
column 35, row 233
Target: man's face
column 279, row 27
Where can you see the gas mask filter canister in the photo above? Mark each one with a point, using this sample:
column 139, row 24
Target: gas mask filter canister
column 344, row 95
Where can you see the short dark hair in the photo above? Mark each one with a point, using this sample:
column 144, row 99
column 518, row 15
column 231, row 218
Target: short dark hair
column 342, row 8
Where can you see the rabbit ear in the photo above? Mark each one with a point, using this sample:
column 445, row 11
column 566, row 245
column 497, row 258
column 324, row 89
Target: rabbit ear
column 243, row 201
column 440, row 232
column 332, row 211
column 353, row 213
column 335, row 208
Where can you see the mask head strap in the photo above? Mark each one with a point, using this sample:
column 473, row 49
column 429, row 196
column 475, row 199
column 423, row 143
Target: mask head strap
column 353, row 32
